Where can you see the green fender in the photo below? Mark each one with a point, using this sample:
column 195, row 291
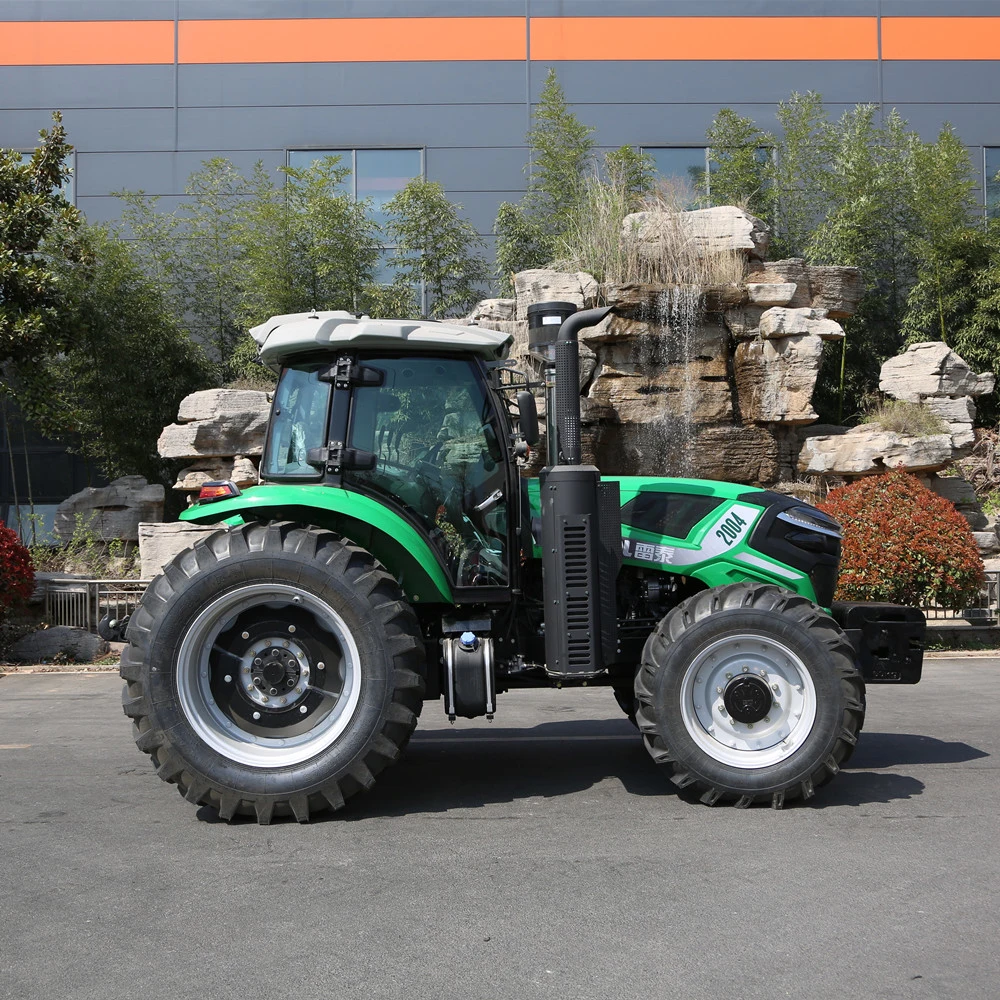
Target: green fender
column 368, row 523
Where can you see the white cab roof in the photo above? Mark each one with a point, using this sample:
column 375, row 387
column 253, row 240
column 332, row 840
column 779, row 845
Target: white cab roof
column 283, row 337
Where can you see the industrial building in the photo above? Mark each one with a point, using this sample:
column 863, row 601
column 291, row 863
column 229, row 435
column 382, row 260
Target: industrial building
column 444, row 88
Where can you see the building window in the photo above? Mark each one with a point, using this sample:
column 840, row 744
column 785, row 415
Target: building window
column 68, row 188
column 683, row 171
column 992, row 186
column 377, row 174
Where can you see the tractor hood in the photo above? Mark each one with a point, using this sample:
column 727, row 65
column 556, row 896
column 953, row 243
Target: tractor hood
column 282, row 338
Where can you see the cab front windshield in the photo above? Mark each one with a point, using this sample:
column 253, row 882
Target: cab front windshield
column 438, row 453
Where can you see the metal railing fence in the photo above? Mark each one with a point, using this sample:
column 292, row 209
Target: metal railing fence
column 82, row 603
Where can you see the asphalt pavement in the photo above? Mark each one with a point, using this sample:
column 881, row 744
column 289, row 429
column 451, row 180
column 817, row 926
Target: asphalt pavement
column 541, row 856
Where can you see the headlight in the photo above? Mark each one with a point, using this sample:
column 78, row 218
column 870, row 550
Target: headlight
column 811, row 519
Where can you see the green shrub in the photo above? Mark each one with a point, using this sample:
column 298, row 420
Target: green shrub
column 17, row 578
column 903, row 544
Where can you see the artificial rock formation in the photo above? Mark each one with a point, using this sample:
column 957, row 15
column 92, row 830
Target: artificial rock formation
column 933, row 374
column 711, row 381
column 110, row 513
column 159, row 543
column 218, row 432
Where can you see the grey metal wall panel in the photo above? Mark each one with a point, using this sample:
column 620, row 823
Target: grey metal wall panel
column 87, row 10
column 669, row 124
column 95, row 130
column 700, row 8
column 108, row 209
column 336, row 127
column 100, row 174
column 940, row 8
column 718, row 83
column 280, row 84
column 971, row 82
column 490, row 168
column 43, row 87
column 974, row 125
column 480, row 207
column 350, row 8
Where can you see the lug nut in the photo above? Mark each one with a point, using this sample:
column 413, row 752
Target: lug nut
column 775, row 688
column 718, row 690
column 282, row 701
column 746, row 670
column 257, row 661
column 258, row 681
column 729, row 676
column 292, row 663
column 767, row 718
column 749, row 725
column 263, row 698
column 246, row 635
column 273, row 691
column 321, row 665
column 291, row 628
column 290, row 683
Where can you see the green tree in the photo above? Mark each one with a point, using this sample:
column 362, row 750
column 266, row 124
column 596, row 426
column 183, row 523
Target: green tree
column 739, row 153
column 436, row 247
column 33, row 211
column 194, row 252
column 520, row 244
column 630, row 170
column 306, row 245
column 111, row 392
column 562, row 157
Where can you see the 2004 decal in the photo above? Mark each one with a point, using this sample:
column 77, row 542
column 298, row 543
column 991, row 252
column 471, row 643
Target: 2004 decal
column 730, row 528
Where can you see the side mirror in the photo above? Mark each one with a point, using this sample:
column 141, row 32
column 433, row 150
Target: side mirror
column 527, row 416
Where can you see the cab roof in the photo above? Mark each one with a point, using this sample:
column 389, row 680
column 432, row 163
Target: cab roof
column 282, row 338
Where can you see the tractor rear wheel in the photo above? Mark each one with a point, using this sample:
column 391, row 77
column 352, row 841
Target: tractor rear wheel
column 749, row 693
column 272, row 669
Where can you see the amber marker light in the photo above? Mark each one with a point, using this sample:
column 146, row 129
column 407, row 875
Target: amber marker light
column 216, row 490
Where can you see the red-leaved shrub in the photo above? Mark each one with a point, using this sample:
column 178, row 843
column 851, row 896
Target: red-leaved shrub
column 903, row 544
column 17, row 578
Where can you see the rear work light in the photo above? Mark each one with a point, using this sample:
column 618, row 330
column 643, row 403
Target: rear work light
column 216, row 489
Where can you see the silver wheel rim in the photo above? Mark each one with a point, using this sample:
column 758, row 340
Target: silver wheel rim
column 217, row 729
column 768, row 741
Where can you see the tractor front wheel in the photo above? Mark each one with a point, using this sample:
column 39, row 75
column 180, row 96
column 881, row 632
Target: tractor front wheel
column 749, row 693
column 272, row 669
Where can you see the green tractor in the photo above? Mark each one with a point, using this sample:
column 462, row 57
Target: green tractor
column 394, row 553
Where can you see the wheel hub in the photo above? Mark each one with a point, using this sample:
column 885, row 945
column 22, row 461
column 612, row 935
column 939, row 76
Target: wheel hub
column 747, row 698
column 275, row 673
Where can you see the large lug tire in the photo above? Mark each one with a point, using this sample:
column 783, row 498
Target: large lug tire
column 623, row 687
column 273, row 669
column 749, row 693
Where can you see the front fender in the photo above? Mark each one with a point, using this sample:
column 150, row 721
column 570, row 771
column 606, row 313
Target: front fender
column 402, row 549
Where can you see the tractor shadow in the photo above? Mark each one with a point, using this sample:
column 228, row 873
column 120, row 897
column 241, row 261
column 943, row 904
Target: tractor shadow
column 472, row 768
column 443, row 770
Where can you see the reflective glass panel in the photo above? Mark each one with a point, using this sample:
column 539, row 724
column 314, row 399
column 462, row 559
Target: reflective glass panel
column 298, row 423
column 302, row 159
column 682, row 167
column 438, row 453
column 383, row 172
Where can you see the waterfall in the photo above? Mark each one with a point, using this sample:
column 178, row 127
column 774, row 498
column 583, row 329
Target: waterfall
column 673, row 316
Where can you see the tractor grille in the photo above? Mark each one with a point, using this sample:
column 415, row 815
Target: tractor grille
column 576, row 560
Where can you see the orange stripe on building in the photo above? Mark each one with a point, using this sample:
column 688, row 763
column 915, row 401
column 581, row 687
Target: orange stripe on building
column 556, row 39
column 86, row 43
column 375, row 39
column 961, row 38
